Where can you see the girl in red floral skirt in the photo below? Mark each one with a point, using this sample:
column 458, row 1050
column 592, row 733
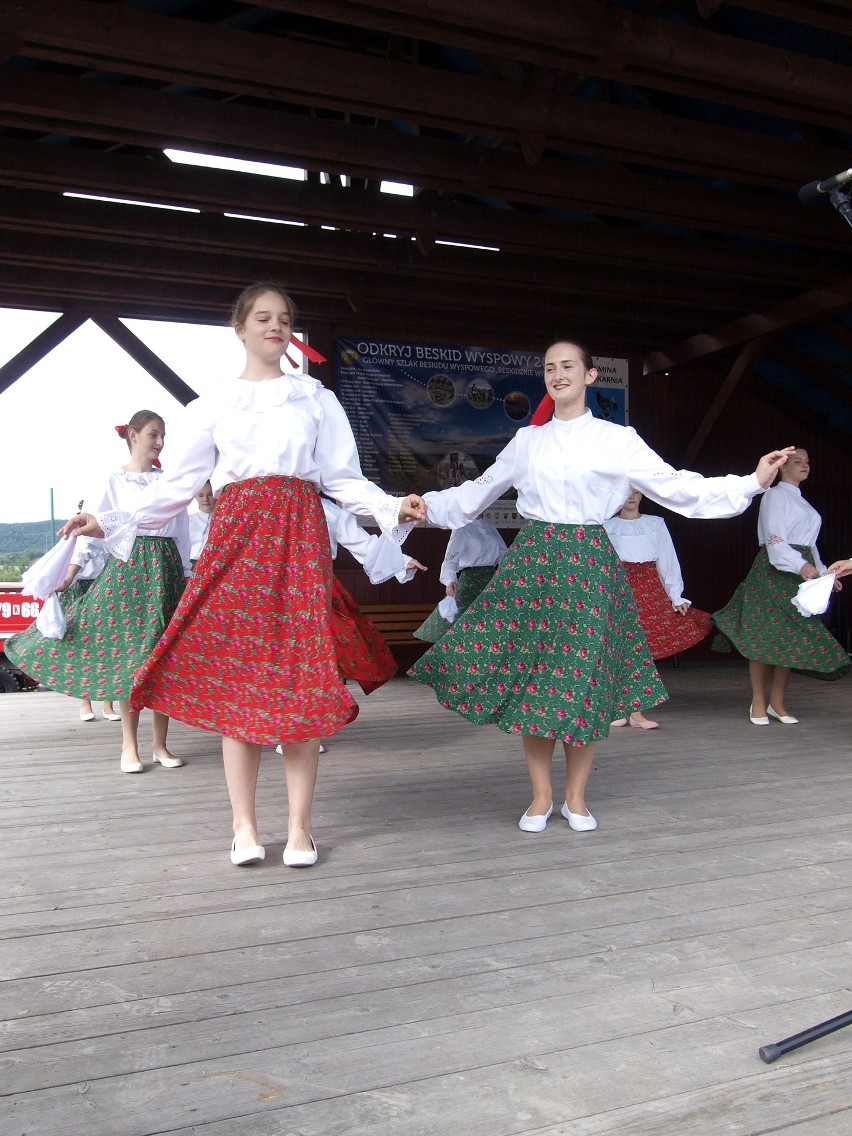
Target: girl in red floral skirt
column 552, row 649
column 671, row 624
column 249, row 652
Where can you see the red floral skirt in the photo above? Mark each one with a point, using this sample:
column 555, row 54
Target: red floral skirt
column 361, row 651
column 250, row 651
column 667, row 631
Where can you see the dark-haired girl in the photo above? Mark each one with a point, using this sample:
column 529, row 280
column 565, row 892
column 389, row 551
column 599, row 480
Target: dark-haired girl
column 113, row 628
column 250, row 652
column 552, row 649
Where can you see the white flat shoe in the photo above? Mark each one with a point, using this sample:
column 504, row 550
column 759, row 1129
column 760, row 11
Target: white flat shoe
column 87, row 717
column 763, row 721
column 112, row 717
column 169, row 762
column 784, row 719
column 280, row 749
column 646, row 725
column 529, row 823
column 577, row 821
column 619, row 722
column 131, row 766
column 298, row 859
column 252, row 854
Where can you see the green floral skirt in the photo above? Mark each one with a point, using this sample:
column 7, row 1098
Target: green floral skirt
column 470, row 583
column 761, row 622
column 552, row 647
column 111, row 629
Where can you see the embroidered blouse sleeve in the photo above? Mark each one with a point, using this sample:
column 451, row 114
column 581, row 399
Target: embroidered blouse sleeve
column 684, row 491
column 453, row 508
column 450, row 566
column 336, row 456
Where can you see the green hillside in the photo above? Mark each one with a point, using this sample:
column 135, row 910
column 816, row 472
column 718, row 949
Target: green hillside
column 21, row 544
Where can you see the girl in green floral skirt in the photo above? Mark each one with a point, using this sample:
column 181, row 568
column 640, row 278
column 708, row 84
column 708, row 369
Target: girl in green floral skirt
column 552, row 649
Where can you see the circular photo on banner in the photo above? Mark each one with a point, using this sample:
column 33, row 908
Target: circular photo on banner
column 479, row 393
column 349, row 356
column 441, row 390
column 517, row 406
column 456, row 467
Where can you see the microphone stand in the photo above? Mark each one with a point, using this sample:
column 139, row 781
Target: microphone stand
column 840, row 199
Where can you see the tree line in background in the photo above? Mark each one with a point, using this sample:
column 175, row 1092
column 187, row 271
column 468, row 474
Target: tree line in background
column 21, row 544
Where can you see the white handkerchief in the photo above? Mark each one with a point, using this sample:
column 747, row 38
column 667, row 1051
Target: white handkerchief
column 48, row 573
column 448, row 608
column 813, row 595
column 51, row 618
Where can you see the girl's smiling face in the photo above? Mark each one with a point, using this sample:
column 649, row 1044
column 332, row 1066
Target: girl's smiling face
column 566, row 377
column 267, row 328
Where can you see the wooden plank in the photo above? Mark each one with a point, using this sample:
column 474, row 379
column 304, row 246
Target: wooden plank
column 437, row 963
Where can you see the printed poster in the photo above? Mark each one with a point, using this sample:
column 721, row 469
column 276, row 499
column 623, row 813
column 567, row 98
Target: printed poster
column 428, row 416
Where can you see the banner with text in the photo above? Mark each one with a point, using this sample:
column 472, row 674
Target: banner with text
column 428, row 416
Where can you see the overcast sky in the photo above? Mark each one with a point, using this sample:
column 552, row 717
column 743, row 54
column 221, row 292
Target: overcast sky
column 57, row 422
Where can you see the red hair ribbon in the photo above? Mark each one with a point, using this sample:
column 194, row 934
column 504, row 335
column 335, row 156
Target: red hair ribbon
column 121, row 431
column 543, row 412
column 307, row 351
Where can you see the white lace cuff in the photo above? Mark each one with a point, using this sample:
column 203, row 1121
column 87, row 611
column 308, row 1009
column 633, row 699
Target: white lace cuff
column 119, row 529
column 387, row 518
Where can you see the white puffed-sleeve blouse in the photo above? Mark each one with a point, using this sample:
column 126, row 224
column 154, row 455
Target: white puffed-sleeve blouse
column 647, row 539
column 785, row 519
column 289, row 426
column 477, row 545
column 581, row 472
column 381, row 559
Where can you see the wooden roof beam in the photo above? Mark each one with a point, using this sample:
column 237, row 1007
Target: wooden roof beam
column 525, row 234
column 98, row 235
column 743, row 366
column 803, row 309
column 597, row 39
column 139, row 44
column 37, row 348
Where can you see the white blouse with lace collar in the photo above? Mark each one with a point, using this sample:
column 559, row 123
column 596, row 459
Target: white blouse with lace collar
column 289, row 426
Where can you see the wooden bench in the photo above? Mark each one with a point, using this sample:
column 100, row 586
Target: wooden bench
column 397, row 622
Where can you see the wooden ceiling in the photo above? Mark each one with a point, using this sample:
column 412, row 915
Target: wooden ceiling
column 637, row 164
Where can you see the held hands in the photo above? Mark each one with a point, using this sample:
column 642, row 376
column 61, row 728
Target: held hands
column 83, row 524
column 840, row 568
column 412, row 508
column 769, row 464
column 808, row 572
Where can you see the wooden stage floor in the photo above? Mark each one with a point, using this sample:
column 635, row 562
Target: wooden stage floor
column 438, row 971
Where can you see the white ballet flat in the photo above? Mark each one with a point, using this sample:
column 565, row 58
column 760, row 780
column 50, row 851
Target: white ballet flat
column 618, row 722
column 646, row 725
column 761, row 721
column 131, row 766
column 280, row 749
column 169, row 762
column 784, row 719
column 529, row 823
column 577, row 821
column 252, row 854
column 87, row 717
column 299, row 859
column 112, row 717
